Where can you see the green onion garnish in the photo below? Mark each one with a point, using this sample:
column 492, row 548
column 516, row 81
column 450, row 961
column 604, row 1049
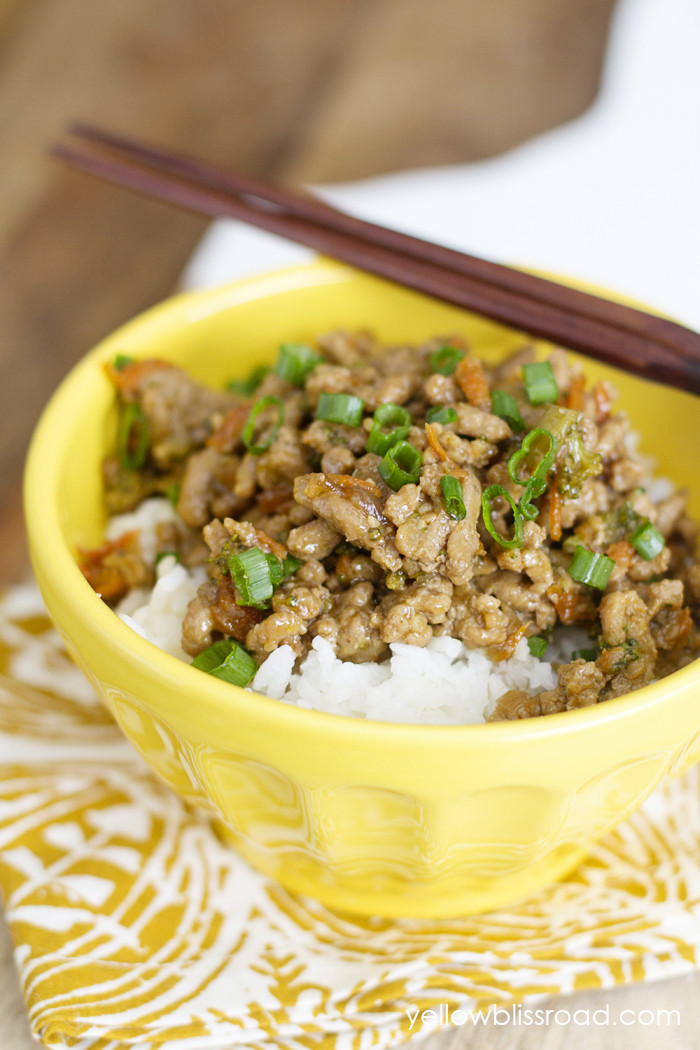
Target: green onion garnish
column 543, row 460
column 340, row 408
column 255, row 575
column 290, row 565
column 647, row 540
column 534, row 488
column 247, row 387
column 490, row 494
column 540, row 384
column 249, row 429
column 227, row 660
column 445, row 360
column 401, row 465
column 506, row 408
column 584, row 654
column 172, row 494
column 454, row 497
column 590, row 568
column 121, row 361
column 391, row 424
column 295, row 362
column 441, row 414
column 167, row 554
column 537, row 646
column 133, row 437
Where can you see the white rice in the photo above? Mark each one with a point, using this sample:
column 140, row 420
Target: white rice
column 443, row 683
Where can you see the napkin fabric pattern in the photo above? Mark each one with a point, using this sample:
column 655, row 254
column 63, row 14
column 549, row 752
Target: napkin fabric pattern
column 134, row 925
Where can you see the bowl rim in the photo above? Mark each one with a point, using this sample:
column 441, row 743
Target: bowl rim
column 214, row 696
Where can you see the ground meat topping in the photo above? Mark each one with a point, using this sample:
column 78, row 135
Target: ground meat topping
column 466, row 532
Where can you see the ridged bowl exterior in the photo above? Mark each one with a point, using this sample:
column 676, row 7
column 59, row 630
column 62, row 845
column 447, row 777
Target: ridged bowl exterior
column 369, row 817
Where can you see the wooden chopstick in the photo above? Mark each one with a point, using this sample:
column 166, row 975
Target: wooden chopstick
column 632, row 339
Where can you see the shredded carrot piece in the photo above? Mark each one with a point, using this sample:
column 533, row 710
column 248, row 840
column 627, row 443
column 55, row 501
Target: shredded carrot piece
column 348, row 481
column 555, row 507
column 621, row 553
column 434, row 443
column 574, row 398
column 473, row 383
column 269, row 545
column 573, row 606
column 508, row 647
column 230, row 428
column 439, row 451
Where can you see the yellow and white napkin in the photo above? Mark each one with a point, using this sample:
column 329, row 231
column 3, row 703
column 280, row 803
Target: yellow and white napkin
column 135, row 926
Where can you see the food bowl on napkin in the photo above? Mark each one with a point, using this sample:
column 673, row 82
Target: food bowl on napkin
column 372, row 817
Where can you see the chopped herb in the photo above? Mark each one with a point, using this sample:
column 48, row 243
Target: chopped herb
column 257, row 448
column 585, row 654
column 441, row 414
column 445, row 360
column 121, row 361
column 391, row 424
column 506, row 408
column 340, row 408
column 494, row 492
column 591, row 568
column 295, row 362
column 228, row 660
column 401, row 465
column 247, row 387
column 540, row 384
column 255, row 575
column 133, row 437
column 537, row 646
column 454, row 497
column 647, row 540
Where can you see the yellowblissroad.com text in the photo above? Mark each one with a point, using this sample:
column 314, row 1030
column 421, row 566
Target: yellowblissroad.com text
column 525, row 1017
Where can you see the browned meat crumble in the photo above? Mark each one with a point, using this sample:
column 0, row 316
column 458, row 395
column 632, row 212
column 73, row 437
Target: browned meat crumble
column 375, row 563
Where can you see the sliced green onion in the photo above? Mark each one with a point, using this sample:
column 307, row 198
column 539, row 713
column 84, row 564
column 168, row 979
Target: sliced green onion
column 647, row 540
column 584, row 654
column 441, row 414
column 540, row 384
column 172, row 494
column 401, row 465
column 506, row 408
column 295, row 362
column 249, row 429
column 121, row 361
column 397, row 419
column 227, row 660
column 454, row 497
column 290, row 565
column 543, row 461
column 247, row 387
column 255, row 576
column 133, row 437
column 590, row 568
column 537, row 646
column 167, row 554
column 340, row 408
column 445, row 360
column 490, row 494
column 534, row 488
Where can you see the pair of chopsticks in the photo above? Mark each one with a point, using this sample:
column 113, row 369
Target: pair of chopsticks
column 631, row 339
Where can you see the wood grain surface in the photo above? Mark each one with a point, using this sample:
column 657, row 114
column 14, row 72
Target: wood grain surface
column 300, row 90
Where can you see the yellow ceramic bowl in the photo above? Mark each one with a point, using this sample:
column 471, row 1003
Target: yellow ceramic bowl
column 371, row 817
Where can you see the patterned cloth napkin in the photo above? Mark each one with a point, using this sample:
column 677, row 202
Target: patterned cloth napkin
column 135, row 926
